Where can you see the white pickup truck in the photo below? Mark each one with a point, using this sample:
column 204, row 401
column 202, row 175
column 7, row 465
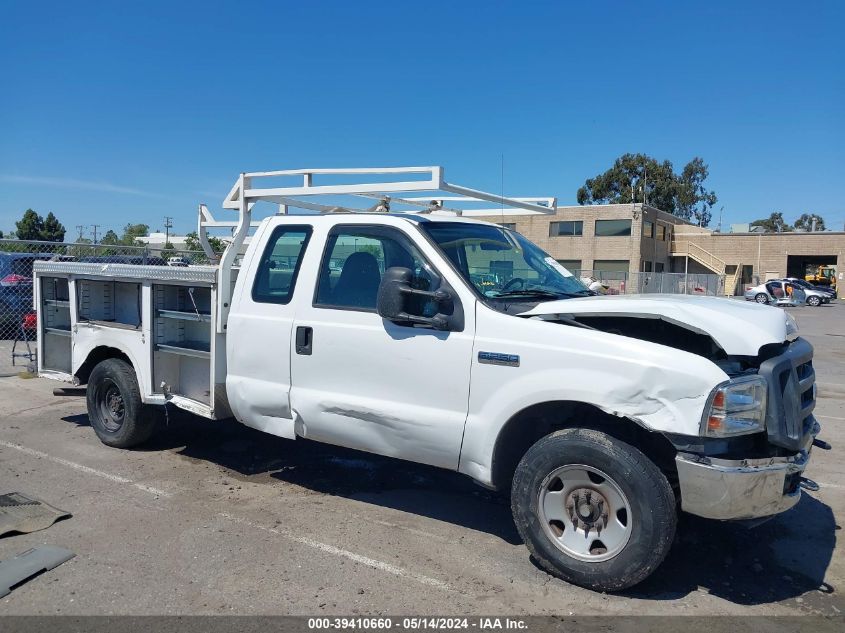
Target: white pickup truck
column 430, row 336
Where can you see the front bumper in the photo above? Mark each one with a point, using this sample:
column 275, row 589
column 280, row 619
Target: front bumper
column 741, row 489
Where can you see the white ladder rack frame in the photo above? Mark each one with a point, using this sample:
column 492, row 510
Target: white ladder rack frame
column 244, row 194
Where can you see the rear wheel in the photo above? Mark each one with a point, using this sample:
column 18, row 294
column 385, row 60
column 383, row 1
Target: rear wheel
column 593, row 510
column 761, row 298
column 117, row 414
column 814, row 301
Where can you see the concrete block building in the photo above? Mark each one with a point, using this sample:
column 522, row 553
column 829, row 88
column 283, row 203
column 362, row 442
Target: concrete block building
column 636, row 238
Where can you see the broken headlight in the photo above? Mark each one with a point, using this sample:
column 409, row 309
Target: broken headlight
column 736, row 407
column 791, row 326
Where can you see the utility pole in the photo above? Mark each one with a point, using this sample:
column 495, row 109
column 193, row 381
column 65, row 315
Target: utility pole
column 95, row 227
column 720, row 219
column 168, row 224
column 81, row 228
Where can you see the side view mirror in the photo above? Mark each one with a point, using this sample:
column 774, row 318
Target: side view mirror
column 394, row 298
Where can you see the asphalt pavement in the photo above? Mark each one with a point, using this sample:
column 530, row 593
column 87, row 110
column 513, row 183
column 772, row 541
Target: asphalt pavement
column 216, row 518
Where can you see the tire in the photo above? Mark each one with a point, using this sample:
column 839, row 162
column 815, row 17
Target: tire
column 117, row 414
column 761, row 298
column 814, row 301
column 639, row 509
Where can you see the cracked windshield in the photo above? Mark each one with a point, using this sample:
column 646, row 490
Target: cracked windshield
column 502, row 263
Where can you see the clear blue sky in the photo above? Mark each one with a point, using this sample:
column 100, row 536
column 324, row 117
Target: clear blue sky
column 116, row 112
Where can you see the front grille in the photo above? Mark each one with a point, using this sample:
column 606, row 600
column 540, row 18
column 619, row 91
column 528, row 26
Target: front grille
column 791, row 397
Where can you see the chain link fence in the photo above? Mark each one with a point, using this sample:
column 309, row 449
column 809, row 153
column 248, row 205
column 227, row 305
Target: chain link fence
column 17, row 315
column 621, row 283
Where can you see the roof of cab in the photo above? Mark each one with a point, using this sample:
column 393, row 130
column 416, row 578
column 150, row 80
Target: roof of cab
column 386, row 218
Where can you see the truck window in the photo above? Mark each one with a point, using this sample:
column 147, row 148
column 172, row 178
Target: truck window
column 356, row 258
column 279, row 265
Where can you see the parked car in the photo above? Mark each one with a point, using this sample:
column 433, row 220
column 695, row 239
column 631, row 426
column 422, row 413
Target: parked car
column 783, row 293
column 177, row 261
column 806, row 285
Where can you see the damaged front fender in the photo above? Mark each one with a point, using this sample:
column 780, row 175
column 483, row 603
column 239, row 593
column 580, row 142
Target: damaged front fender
column 661, row 388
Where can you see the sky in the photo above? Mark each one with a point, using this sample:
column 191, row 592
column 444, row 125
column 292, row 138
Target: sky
column 113, row 113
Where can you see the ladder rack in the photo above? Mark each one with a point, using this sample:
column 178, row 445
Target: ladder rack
column 385, row 197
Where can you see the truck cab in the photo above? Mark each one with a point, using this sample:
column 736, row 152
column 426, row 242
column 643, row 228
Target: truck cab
column 446, row 340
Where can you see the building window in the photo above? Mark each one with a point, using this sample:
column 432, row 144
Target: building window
column 648, row 228
column 611, row 265
column 661, row 232
column 570, row 264
column 658, row 267
column 646, row 266
column 615, row 228
column 508, row 225
column 574, row 227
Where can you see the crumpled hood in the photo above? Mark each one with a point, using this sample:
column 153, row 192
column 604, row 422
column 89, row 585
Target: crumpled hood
column 738, row 327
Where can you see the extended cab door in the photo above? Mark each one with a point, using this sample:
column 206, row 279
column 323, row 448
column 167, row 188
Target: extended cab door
column 259, row 329
column 364, row 382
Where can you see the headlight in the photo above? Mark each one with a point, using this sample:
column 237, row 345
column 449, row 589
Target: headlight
column 736, row 407
column 791, row 325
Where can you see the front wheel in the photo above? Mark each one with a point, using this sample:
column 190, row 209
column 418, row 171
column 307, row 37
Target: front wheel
column 814, row 301
column 761, row 298
column 117, row 414
column 593, row 510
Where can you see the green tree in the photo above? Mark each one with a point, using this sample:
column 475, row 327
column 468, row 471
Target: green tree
column 639, row 178
column 809, row 222
column 110, row 238
column 29, row 227
column 693, row 200
column 198, row 256
column 52, row 230
column 192, row 243
column 131, row 233
column 773, row 224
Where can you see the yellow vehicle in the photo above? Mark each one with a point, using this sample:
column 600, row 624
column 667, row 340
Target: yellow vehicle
column 822, row 276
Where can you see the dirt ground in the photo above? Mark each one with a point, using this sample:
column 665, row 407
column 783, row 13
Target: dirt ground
column 215, row 518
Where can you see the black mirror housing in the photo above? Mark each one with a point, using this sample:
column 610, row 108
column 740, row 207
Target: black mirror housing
column 394, row 293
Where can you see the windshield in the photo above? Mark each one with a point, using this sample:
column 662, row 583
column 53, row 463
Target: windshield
column 501, row 263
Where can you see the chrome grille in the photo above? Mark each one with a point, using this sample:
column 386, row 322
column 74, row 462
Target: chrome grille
column 792, row 395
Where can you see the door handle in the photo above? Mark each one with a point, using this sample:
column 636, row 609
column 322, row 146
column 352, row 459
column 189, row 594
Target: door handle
column 304, row 337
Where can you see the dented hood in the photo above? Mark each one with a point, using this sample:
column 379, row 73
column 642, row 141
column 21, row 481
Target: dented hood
column 738, row 327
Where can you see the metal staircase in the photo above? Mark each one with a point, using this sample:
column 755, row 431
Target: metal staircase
column 685, row 248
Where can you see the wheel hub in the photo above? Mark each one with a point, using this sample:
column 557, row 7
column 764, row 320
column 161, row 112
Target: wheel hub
column 584, row 512
column 587, row 509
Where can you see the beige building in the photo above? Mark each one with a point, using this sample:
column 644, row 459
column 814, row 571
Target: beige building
column 631, row 238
